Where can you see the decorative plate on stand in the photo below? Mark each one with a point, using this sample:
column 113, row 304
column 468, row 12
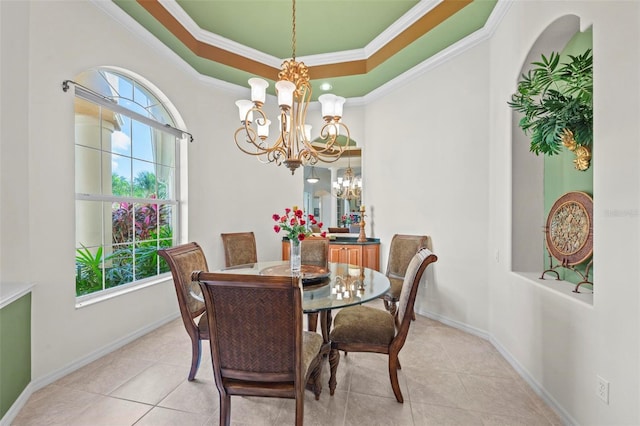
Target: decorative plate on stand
column 569, row 230
column 569, row 235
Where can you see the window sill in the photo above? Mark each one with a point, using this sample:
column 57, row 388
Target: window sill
column 88, row 300
column 560, row 287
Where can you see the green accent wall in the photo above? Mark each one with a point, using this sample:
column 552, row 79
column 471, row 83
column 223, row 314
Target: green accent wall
column 560, row 174
column 15, row 351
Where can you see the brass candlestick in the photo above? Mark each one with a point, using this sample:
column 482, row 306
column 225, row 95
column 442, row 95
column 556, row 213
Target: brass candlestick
column 362, row 237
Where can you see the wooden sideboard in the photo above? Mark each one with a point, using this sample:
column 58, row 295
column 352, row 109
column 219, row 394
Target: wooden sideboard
column 348, row 250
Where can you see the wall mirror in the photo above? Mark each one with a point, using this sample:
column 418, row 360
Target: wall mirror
column 320, row 197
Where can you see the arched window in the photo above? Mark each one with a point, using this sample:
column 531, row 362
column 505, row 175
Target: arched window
column 126, row 180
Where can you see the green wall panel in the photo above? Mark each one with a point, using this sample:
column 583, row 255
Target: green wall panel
column 15, row 351
column 560, row 175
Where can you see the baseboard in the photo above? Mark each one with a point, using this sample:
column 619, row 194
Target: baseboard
column 537, row 388
column 41, row 382
column 17, row 405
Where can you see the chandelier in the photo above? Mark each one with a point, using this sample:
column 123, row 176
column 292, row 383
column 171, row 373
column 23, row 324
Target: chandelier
column 293, row 146
column 348, row 187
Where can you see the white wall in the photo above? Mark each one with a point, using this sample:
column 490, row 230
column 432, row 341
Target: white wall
column 426, row 169
column 562, row 342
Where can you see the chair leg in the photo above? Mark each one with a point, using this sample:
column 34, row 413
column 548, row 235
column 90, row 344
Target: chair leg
column 196, row 353
column 393, row 308
column 316, row 381
column 393, row 375
column 312, row 321
column 413, row 315
column 334, row 360
column 225, row 410
column 299, row 409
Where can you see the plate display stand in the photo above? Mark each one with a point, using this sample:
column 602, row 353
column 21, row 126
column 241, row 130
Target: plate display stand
column 569, row 235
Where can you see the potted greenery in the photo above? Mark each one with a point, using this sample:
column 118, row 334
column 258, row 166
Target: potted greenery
column 557, row 102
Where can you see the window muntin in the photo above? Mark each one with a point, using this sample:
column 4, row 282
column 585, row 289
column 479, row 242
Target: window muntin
column 127, row 200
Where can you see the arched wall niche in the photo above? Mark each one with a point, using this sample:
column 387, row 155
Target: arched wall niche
column 527, row 208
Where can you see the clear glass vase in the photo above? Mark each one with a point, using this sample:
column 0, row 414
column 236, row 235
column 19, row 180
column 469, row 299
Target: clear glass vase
column 294, row 256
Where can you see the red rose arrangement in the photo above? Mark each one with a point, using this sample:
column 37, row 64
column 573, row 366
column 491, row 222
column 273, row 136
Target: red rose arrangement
column 294, row 223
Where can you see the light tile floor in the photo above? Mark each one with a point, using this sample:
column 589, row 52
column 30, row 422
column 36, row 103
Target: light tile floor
column 448, row 377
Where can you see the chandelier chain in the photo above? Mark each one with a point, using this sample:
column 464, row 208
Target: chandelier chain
column 293, row 36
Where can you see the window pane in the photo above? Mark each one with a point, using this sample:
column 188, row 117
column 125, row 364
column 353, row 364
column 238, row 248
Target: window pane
column 165, row 148
column 146, row 259
column 87, row 123
column 89, row 220
column 122, row 222
column 164, row 267
column 124, row 88
column 89, row 270
column 120, row 141
column 146, row 221
column 141, row 141
column 166, row 179
column 87, row 170
column 121, row 180
column 119, row 267
column 121, row 138
column 144, row 180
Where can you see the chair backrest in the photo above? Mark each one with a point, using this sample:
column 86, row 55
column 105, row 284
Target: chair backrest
column 255, row 326
column 239, row 248
column 183, row 260
column 314, row 251
column 401, row 251
column 415, row 270
column 338, row 230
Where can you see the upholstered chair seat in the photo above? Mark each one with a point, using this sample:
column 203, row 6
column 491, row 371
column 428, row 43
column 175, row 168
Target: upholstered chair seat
column 353, row 325
column 311, row 345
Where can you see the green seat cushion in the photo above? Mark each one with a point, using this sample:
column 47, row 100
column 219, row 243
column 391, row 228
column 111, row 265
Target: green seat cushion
column 363, row 324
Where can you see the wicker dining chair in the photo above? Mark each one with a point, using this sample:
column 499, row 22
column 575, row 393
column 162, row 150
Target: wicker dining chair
column 367, row 329
column 258, row 347
column 401, row 251
column 314, row 251
column 239, row 248
column 338, row 230
column 183, row 260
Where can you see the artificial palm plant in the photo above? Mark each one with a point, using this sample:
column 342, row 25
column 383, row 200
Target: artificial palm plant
column 557, row 102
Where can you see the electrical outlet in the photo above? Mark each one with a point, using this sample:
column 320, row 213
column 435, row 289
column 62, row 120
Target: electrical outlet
column 602, row 389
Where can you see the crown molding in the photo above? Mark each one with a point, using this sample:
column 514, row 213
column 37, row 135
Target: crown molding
column 112, row 10
column 214, row 39
column 484, row 33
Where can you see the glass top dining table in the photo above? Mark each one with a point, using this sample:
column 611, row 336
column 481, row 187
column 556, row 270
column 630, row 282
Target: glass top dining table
column 339, row 286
